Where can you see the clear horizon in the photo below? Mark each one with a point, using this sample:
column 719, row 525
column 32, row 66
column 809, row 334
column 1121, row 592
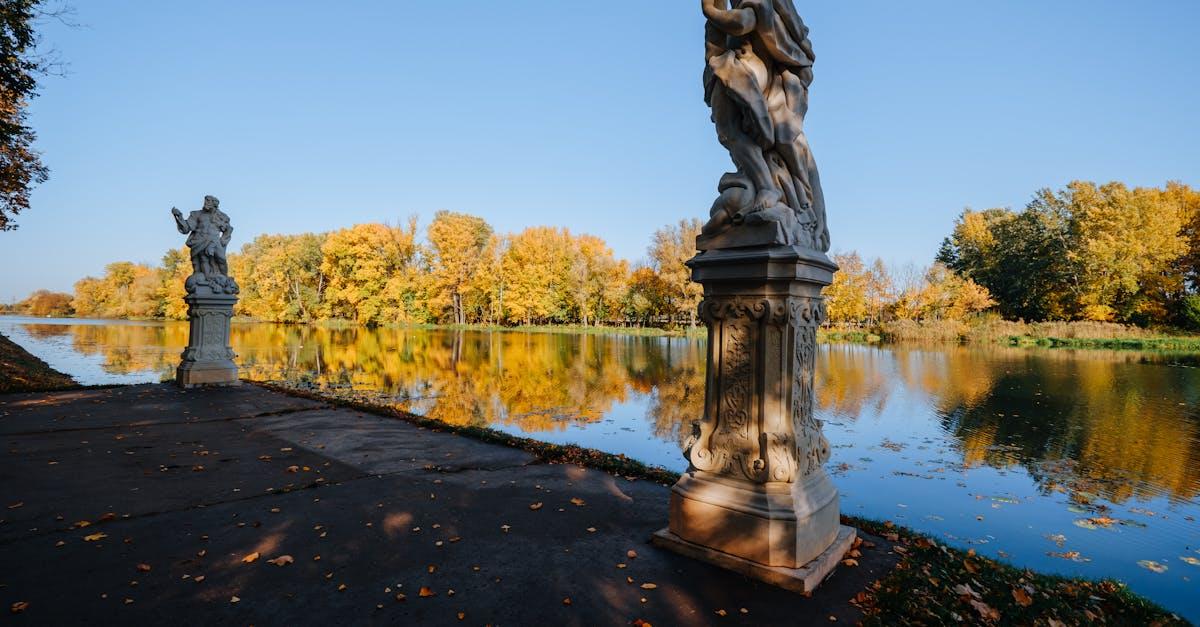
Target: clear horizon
column 576, row 115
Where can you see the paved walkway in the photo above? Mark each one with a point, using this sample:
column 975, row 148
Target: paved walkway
column 141, row 504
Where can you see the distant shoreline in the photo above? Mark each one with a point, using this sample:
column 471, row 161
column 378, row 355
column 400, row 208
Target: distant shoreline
column 1072, row 335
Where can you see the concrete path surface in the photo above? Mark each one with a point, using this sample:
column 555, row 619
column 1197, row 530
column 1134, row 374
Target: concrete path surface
column 147, row 504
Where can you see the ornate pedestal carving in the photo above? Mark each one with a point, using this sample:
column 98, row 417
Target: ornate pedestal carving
column 756, row 497
column 208, row 358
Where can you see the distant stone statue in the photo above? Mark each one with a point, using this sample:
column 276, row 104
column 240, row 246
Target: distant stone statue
column 756, row 79
column 208, row 232
column 211, row 295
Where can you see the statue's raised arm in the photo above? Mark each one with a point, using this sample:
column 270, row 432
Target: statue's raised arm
column 758, row 70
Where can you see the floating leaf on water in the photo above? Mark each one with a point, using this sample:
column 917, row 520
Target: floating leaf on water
column 1085, row 523
column 1153, row 566
column 1058, row 539
column 1190, row 560
column 1074, row 556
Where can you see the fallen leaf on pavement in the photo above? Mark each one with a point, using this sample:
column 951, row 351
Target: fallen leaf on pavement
column 426, row 592
column 649, row 586
column 250, row 558
column 536, row 506
column 19, row 606
column 1021, row 597
column 145, row 568
column 282, row 560
column 94, row 537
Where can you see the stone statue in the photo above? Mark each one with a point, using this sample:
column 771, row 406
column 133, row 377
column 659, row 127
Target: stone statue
column 208, row 232
column 759, row 67
column 756, row 498
column 211, row 295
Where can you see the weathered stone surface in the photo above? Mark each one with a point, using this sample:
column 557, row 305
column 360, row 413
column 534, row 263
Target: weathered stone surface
column 189, row 482
column 756, row 78
column 756, row 498
column 804, row 579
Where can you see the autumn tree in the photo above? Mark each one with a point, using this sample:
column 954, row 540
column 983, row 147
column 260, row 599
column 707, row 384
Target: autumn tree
column 1097, row 252
column 367, row 267
column 457, row 242
column 537, row 273
column 598, row 280
column 175, row 269
column 280, row 277
column 846, row 297
column 20, row 67
column 127, row 290
column 44, row 303
column 647, row 296
column 670, row 248
column 942, row 294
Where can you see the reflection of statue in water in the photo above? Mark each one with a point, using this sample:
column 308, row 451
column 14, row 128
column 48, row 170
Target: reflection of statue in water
column 208, row 232
column 759, row 67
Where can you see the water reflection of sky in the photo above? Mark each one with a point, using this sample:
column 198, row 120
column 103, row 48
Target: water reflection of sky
column 1082, row 463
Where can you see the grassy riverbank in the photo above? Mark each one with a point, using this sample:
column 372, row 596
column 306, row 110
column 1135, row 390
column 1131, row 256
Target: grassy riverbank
column 933, row 583
column 992, row 330
column 22, row 372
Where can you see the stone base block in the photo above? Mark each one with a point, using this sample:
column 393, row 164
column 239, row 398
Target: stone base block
column 190, row 375
column 774, row 524
column 804, row 579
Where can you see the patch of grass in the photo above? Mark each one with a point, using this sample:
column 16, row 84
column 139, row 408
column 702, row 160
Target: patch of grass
column 938, row 584
column 847, row 335
column 933, row 583
column 22, row 372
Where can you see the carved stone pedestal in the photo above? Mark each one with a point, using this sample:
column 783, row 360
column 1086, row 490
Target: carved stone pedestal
column 756, row 498
column 208, row 358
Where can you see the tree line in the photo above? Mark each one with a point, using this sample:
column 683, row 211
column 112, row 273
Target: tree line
column 1085, row 252
column 374, row 274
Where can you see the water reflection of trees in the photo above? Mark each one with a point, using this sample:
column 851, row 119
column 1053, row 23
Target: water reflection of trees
column 1089, row 422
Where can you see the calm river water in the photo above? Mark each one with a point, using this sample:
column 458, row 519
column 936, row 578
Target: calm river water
column 1077, row 462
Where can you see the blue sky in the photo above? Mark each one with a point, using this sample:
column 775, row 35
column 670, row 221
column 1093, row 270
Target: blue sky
column 309, row 116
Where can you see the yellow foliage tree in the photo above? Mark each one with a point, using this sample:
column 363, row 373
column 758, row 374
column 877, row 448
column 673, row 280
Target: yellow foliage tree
column 358, row 263
column 457, row 244
column 670, row 248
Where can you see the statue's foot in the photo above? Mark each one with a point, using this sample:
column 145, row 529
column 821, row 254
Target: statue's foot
column 765, row 199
